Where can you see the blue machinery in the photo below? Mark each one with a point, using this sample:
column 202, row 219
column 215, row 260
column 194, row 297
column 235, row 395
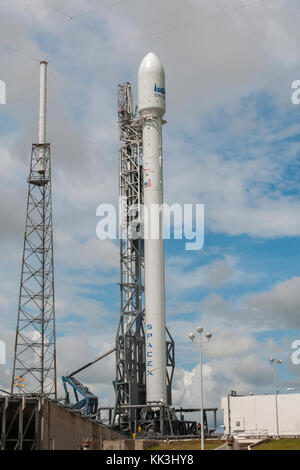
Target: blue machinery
column 85, row 400
column 88, row 404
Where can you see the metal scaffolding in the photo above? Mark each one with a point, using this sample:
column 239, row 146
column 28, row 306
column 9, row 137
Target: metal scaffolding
column 130, row 340
column 34, row 368
column 20, row 420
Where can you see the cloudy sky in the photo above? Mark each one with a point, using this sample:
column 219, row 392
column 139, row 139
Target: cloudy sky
column 231, row 143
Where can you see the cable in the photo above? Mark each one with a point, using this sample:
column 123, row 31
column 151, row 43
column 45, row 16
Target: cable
column 70, row 18
column 58, row 39
column 51, row 7
column 87, row 12
column 53, row 73
column 60, row 89
column 102, row 8
column 8, row 46
column 167, row 30
column 21, row 93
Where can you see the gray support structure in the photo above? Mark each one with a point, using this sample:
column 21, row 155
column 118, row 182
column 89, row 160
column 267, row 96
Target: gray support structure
column 20, row 422
column 34, row 368
column 130, row 340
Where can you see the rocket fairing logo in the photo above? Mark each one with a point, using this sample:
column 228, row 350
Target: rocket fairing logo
column 159, row 91
column 2, row 92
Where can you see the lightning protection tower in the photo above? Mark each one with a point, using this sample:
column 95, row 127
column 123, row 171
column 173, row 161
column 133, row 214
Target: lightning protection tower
column 34, row 368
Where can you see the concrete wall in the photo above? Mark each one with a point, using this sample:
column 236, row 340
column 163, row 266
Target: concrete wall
column 124, row 444
column 62, row 429
column 129, row 444
column 257, row 413
column 143, row 444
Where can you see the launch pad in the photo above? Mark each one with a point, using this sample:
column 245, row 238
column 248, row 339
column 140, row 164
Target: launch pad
column 134, row 412
column 144, row 348
column 159, row 422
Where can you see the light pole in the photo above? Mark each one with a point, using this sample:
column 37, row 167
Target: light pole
column 201, row 342
column 275, row 362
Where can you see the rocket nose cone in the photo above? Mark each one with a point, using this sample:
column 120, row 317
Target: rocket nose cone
column 151, row 86
column 151, row 63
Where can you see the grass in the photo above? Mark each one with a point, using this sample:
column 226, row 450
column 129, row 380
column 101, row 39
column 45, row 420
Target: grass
column 194, row 444
column 279, row 444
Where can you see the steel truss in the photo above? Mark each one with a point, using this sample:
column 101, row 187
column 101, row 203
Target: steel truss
column 163, row 420
column 130, row 340
column 34, row 369
column 20, row 419
column 130, row 384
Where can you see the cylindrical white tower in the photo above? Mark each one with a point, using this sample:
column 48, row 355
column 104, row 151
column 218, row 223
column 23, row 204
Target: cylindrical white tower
column 151, row 106
column 42, row 120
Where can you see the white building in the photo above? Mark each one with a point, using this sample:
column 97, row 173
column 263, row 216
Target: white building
column 256, row 414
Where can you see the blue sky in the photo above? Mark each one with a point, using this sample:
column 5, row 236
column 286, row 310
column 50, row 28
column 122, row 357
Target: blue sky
column 231, row 143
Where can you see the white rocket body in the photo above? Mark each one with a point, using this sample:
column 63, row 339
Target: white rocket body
column 42, row 117
column 151, row 106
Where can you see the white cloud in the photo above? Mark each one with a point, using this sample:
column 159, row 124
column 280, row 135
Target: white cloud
column 280, row 306
column 181, row 276
column 94, row 253
column 247, row 374
column 230, row 344
column 275, row 309
column 215, row 274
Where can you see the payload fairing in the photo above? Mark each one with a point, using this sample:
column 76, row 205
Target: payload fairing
column 152, row 107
